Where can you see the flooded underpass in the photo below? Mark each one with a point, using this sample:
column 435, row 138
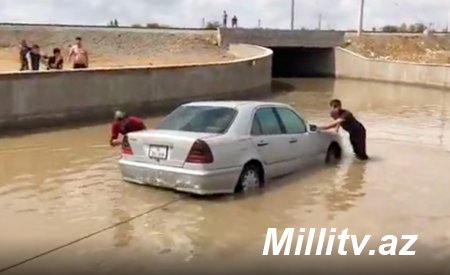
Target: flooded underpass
column 64, row 207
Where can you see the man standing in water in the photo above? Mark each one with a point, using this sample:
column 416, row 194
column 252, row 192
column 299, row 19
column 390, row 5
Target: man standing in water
column 124, row 124
column 345, row 119
column 78, row 55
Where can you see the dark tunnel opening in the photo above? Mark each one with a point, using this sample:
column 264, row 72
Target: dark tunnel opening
column 303, row 62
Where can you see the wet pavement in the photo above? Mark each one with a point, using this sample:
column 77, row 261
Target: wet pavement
column 63, row 205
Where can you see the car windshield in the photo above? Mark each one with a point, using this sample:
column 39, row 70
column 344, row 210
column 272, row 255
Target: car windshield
column 200, row 119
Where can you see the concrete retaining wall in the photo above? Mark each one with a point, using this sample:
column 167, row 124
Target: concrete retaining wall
column 351, row 65
column 34, row 99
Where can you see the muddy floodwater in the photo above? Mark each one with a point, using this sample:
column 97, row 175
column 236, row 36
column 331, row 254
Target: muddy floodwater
column 64, row 207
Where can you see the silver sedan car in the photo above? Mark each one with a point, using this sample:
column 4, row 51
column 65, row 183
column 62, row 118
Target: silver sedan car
column 222, row 147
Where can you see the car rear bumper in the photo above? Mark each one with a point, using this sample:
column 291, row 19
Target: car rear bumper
column 179, row 179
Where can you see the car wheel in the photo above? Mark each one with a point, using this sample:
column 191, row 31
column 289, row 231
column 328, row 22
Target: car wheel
column 250, row 179
column 334, row 154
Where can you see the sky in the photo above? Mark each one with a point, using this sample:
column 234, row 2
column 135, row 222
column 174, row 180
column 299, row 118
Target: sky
column 336, row 14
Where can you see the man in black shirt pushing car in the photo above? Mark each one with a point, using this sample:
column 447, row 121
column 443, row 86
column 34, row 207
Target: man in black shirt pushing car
column 345, row 119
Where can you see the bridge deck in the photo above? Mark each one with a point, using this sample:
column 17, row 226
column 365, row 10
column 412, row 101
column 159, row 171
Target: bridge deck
column 283, row 38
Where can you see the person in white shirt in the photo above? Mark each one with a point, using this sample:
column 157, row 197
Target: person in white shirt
column 34, row 58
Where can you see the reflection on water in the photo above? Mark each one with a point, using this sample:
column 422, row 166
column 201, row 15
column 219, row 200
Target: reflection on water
column 348, row 187
column 60, row 186
column 122, row 234
column 401, row 113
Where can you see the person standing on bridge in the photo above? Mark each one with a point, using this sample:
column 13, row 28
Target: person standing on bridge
column 225, row 19
column 234, row 22
column 345, row 119
column 124, row 124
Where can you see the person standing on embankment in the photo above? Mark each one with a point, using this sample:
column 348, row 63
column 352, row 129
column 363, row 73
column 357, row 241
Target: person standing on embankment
column 24, row 50
column 79, row 55
column 34, row 58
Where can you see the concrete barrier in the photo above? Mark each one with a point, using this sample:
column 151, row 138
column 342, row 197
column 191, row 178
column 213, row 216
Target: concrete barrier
column 351, row 65
column 33, row 99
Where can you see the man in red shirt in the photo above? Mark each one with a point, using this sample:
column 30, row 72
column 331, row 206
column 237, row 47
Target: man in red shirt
column 124, row 124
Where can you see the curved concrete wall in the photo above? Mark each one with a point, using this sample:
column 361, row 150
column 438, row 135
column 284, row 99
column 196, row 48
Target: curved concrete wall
column 351, row 65
column 51, row 98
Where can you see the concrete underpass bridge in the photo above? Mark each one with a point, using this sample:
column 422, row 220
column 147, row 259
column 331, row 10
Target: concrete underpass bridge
column 298, row 53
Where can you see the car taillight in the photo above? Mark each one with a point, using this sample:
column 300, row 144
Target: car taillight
column 126, row 148
column 200, row 153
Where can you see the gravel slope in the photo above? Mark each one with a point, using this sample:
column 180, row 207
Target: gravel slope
column 115, row 47
column 419, row 48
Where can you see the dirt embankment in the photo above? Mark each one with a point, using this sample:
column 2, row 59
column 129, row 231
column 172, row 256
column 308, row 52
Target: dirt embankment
column 420, row 48
column 115, row 47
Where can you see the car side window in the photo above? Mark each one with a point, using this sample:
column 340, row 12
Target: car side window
column 256, row 127
column 267, row 121
column 291, row 121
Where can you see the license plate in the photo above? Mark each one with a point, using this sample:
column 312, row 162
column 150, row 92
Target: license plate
column 158, row 152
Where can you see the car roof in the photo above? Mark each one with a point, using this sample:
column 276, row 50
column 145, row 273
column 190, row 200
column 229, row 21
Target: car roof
column 235, row 104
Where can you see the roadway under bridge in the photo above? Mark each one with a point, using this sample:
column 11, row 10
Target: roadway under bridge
column 298, row 53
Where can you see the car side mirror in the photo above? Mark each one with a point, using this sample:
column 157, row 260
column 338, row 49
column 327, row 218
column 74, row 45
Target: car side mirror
column 313, row 128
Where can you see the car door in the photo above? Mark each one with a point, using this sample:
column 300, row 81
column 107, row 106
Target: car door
column 270, row 140
column 302, row 145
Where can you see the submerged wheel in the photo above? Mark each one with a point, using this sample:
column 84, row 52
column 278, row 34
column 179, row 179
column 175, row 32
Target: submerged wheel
column 251, row 178
column 334, row 154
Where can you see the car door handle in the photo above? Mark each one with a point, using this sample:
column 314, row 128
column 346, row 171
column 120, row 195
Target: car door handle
column 262, row 144
column 294, row 140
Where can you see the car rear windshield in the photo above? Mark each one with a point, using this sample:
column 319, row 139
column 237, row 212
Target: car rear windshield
column 200, row 119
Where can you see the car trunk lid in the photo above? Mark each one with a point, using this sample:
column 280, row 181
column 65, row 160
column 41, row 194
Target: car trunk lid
column 163, row 147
